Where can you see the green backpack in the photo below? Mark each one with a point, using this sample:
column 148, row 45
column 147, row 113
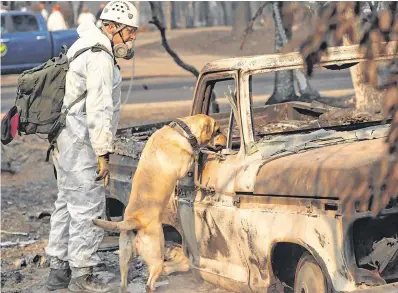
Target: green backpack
column 40, row 95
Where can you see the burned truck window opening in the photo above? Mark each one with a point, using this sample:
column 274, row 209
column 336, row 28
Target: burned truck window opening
column 278, row 107
column 222, row 92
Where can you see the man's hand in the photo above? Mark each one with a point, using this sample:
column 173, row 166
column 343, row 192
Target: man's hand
column 103, row 169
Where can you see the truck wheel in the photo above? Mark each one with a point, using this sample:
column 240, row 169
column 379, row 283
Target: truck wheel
column 309, row 276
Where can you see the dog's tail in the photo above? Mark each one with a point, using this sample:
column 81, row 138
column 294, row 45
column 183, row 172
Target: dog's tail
column 116, row 226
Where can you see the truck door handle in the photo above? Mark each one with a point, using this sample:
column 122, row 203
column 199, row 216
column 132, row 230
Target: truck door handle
column 4, row 40
column 40, row 37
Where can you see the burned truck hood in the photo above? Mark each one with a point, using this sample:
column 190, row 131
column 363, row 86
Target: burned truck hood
column 317, row 164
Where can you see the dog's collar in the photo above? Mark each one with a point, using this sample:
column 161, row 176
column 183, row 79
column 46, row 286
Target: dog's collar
column 191, row 138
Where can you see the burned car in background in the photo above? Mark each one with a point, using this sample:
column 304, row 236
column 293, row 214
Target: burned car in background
column 266, row 213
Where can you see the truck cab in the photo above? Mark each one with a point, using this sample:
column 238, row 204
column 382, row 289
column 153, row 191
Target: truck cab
column 268, row 213
column 26, row 42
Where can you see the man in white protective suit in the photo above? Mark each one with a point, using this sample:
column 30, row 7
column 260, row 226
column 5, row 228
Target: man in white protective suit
column 56, row 20
column 81, row 155
column 85, row 16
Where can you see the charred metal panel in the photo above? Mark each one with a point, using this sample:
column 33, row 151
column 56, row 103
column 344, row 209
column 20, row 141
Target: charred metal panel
column 211, row 232
column 286, row 111
column 317, row 173
column 246, row 176
column 275, row 62
column 229, row 168
column 128, row 146
column 375, row 245
column 266, row 222
column 122, row 169
column 139, row 131
column 122, row 166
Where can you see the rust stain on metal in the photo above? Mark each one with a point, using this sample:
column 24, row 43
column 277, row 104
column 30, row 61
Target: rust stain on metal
column 322, row 178
column 321, row 238
column 216, row 242
column 256, row 259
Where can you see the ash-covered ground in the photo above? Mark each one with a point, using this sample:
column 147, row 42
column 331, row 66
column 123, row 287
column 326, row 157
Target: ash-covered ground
column 28, row 192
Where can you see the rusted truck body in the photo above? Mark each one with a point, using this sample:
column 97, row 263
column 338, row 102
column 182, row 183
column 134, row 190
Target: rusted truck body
column 267, row 213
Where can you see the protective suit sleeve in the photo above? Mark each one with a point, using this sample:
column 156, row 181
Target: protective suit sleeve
column 99, row 104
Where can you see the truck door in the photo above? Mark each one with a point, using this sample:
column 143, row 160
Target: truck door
column 209, row 220
column 27, row 41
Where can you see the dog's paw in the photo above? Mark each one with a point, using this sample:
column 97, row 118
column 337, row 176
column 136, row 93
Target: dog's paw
column 148, row 289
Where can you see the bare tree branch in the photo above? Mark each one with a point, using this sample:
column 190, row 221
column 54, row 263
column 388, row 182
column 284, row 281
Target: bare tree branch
column 249, row 26
column 155, row 21
column 305, row 89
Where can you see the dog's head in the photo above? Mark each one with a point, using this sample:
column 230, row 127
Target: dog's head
column 207, row 131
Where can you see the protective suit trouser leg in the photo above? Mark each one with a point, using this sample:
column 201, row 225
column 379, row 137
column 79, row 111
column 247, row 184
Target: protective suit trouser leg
column 59, row 233
column 85, row 201
column 85, row 237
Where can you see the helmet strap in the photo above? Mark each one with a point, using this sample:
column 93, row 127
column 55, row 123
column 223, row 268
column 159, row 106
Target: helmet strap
column 118, row 30
column 121, row 36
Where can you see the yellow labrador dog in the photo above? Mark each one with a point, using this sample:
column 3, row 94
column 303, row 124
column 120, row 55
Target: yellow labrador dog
column 166, row 158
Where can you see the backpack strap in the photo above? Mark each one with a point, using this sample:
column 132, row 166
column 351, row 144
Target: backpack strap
column 96, row 48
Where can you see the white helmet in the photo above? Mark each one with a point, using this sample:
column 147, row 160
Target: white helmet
column 121, row 11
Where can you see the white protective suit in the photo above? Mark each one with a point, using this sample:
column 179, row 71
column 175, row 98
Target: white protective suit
column 90, row 127
column 56, row 21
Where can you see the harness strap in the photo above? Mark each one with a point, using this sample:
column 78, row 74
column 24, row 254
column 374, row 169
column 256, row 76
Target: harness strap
column 191, row 138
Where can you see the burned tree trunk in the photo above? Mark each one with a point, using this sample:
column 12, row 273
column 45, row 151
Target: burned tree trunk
column 168, row 13
column 227, row 12
column 189, row 15
column 241, row 17
column 155, row 21
column 306, row 91
column 284, row 80
column 367, row 98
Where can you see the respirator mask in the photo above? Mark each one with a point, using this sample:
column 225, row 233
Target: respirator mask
column 124, row 50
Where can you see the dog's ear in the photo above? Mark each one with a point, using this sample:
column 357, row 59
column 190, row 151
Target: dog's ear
column 207, row 130
column 210, row 125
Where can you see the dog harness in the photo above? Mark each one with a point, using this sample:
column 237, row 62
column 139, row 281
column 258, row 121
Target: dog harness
column 191, row 138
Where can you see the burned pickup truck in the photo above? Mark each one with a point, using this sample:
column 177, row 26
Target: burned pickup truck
column 266, row 213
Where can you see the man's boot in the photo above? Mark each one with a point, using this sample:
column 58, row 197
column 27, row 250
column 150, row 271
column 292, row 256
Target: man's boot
column 88, row 284
column 59, row 276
